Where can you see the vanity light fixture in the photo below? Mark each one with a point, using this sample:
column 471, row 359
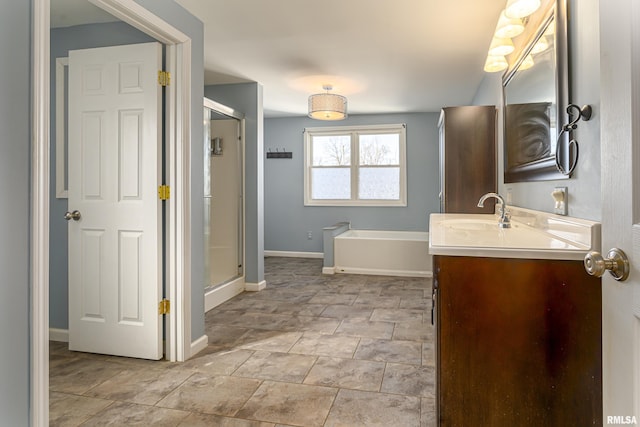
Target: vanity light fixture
column 508, row 27
column 551, row 29
column 540, row 46
column 495, row 64
column 501, row 47
column 521, row 8
column 327, row 106
column 526, row 63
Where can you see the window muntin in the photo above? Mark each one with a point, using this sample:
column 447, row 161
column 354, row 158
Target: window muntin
column 355, row 166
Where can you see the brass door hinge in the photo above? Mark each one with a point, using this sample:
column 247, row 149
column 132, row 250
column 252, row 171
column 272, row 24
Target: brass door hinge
column 164, row 192
column 164, row 78
column 164, row 306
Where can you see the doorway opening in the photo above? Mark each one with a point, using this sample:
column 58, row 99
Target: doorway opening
column 179, row 343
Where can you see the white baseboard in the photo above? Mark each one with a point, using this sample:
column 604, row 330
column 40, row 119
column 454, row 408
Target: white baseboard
column 215, row 297
column 255, row 287
column 290, row 254
column 61, row 335
column 198, row 345
column 379, row 272
column 328, row 270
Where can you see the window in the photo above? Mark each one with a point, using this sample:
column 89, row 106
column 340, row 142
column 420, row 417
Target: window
column 355, row 166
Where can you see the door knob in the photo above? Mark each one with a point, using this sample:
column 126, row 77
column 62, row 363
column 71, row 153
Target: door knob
column 75, row 215
column 616, row 262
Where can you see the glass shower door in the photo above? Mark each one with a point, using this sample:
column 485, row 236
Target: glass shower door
column 223, row 189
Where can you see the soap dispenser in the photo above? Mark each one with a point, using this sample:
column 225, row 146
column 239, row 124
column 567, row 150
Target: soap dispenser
column 560, row 196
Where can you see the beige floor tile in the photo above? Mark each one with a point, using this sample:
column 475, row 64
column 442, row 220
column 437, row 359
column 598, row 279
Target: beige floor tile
column 224, row 335
column 365, row 328
column 313, row 324
column 346, row 373
column 68, row 410
column 294, row 404
column 211, row 394
column 213, row 361
column 428, row 412
column 131, row 414
column 403, row 293
column 319, row 333
column 414, row 331
column 409, row 380
column 326, row 345
column 397, row 315
column 80, row 374
column 137, row 386
column 333, row 299
column 269, row 340
column 409, row 352
column 416, row 303
column 373, row 301
column 276, row 366
column 365, row 409
column 347, row 312
column 299, row 309
column 428, row 354
column 207, row 420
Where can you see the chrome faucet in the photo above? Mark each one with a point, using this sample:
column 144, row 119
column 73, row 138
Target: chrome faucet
column 505, row 217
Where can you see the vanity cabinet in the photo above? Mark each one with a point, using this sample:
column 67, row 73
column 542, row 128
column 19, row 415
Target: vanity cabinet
column 518, row 342
column 467, row 158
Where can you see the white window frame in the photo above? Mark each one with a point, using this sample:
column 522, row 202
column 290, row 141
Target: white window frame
column 355, row 132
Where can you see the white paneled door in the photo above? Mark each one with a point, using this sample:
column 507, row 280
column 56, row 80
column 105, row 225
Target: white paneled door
column 114, row 169
column 620, row 131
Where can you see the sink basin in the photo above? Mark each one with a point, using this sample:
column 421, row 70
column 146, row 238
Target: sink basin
column 467, row 224
column 531, row 235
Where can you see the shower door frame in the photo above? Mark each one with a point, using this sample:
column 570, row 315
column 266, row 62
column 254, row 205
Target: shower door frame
column 217, row 294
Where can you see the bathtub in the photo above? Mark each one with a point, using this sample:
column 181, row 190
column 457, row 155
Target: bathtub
column 389, row 253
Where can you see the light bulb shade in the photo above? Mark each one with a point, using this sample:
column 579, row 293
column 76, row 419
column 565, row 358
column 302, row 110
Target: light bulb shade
column 521, row 8
column 526, row 63
column 541, row 45
column 501, row 47
column 551, row 29
column 495, row 64
column 327, row 106
column 508, row 27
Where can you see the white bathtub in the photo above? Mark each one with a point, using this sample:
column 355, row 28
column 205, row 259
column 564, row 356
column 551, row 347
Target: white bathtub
column 389, row 253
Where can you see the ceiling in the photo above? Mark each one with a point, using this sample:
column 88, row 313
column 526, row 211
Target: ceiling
column 384, row 56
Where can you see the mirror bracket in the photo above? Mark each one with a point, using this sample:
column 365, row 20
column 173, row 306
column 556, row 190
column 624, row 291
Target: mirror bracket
column 583, row 113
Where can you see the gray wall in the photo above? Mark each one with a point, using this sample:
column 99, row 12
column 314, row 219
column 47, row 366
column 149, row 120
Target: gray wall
column 115, row 34
column 287, row 220
column 247, row 98
column 584, row 186
column 62, row 41
column 15, row 48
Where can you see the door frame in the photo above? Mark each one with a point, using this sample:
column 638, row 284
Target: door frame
column 178, row 228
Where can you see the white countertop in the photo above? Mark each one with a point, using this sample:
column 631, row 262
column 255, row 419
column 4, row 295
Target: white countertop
column 533, row 235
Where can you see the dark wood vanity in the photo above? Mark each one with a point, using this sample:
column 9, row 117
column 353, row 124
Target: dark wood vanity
column 518, row 342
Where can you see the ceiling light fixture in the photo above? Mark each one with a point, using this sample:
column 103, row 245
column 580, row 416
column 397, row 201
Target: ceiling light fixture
column 521, row 8
column 327, row 106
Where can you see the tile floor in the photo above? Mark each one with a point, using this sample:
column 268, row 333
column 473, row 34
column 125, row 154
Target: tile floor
column 310, row 350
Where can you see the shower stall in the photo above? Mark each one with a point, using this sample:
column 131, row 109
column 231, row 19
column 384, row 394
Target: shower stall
column 223, row 203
